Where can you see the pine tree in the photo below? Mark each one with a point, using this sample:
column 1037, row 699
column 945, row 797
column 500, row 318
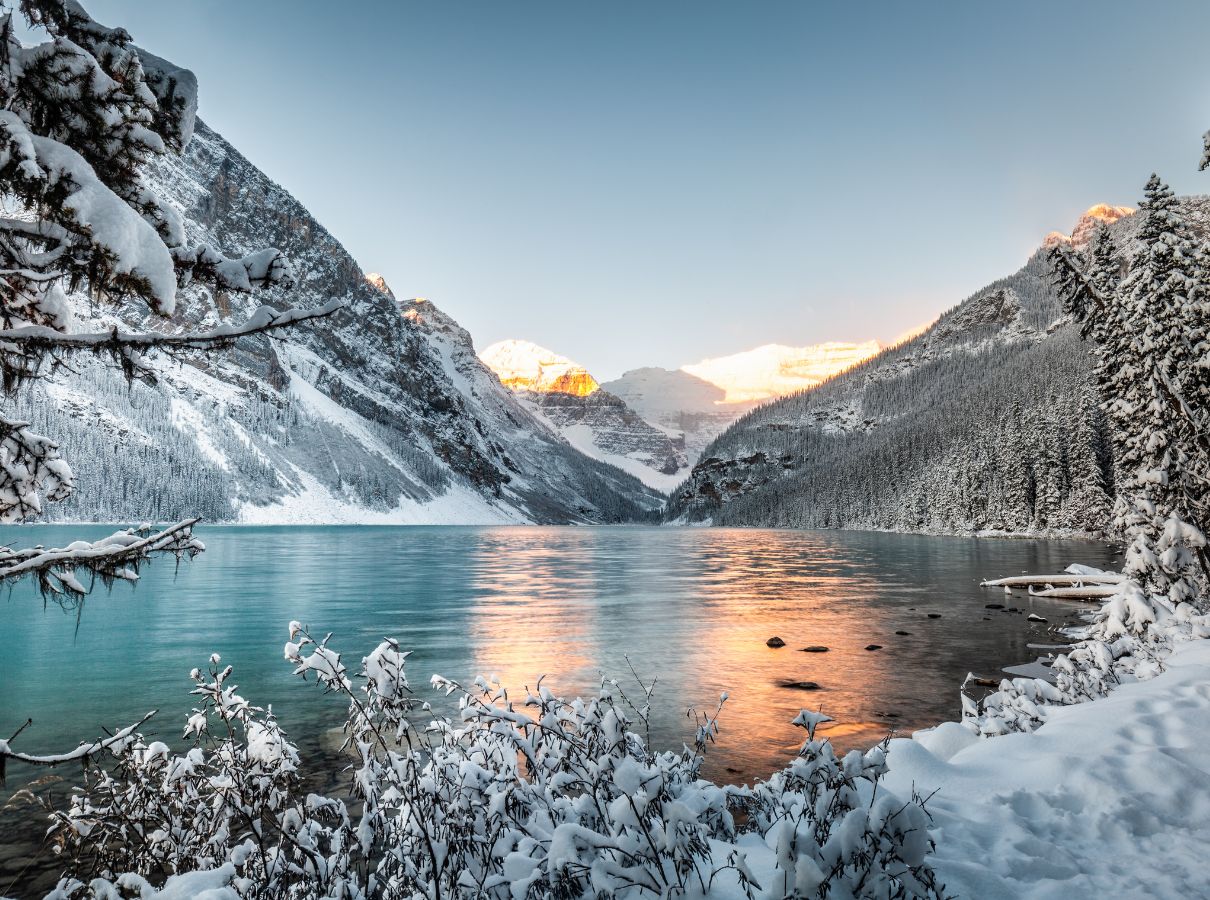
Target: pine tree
column 81, row 113
column 1147, row 326
column 1164, row 506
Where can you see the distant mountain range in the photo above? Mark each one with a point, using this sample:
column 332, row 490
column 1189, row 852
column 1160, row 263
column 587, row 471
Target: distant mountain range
column 655, row 422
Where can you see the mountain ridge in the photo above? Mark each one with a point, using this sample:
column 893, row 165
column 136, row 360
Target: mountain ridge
column 986, row 421
column 364, row 417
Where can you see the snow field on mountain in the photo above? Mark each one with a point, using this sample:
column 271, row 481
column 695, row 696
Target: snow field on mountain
column 314, row 504
column 582, row 438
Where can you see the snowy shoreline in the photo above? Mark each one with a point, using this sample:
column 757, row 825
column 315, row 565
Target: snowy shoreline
column 1109, row 798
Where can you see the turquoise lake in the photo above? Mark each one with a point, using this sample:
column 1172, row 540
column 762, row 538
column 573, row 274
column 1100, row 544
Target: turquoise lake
column 692, row 607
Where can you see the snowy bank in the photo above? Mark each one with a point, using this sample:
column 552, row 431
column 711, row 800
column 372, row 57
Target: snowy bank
column 1107, row 799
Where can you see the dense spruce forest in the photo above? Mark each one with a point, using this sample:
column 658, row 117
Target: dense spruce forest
column 989, row 420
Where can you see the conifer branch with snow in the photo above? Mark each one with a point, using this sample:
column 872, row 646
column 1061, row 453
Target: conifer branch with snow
column 81, row 113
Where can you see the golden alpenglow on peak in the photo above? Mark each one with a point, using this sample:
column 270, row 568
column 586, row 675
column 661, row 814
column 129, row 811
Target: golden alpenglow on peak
column 1092, row 219
column 524, row 366
column 775, row 370
column 377, row 281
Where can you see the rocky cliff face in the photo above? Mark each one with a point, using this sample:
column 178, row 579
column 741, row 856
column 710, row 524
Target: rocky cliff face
column 370, row 415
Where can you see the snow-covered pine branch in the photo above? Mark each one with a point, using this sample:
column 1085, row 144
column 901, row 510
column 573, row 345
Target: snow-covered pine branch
column 113, row 558
column 126, row 348
column 81, row 113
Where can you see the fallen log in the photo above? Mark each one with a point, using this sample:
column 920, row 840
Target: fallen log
column 1080, row 592
column 1065, row 579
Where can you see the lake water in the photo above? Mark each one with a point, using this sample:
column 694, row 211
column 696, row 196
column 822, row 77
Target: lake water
column 691, row 606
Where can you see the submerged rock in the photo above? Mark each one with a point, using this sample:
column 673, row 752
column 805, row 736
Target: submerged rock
column 814, row 648
column 934, row 615
column 800, row 685
column 903, row 633
column 994, row 606
column 873, row 646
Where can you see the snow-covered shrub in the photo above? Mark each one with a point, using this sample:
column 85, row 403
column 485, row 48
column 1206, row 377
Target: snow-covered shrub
column 1127, row 639
column 834, row 833
column 534, row 797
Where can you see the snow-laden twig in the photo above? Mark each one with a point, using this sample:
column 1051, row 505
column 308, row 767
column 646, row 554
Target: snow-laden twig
column 83, row 752
column 116, row 557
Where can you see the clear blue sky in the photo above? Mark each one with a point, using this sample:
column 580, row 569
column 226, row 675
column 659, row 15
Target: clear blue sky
column 650, row 183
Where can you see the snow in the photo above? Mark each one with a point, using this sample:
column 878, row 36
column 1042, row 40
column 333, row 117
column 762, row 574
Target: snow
column 159, row 74
column 525, row 365
column 189, row 421
column 775, row 370
column 582, row 438
column 297, row 361
column 1107, row 799
column 314, row 504
column 135, row 246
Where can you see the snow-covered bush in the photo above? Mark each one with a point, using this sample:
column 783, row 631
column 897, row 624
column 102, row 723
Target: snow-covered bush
column 532, row 797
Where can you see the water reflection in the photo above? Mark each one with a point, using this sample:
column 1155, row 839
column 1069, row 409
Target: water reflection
column 691, row 607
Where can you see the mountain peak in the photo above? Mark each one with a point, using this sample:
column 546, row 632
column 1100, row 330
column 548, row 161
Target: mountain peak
column 379, row 283
column 1093, row 218
column 775, row 370
column 524, row 366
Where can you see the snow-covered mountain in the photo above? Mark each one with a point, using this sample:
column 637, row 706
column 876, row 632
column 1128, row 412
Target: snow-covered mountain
column 986, row 420
column 684, row 406
column 597, row 422
column 376, row 414
column 776, row 370
column 524, row 366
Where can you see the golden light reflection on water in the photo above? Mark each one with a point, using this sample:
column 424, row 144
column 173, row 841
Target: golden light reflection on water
column 695, row 611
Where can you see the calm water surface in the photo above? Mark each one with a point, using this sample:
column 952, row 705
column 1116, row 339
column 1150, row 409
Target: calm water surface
column 691, row 606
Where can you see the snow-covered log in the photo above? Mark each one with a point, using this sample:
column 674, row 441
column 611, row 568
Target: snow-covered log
column 1062, row 579
column 1079, row 592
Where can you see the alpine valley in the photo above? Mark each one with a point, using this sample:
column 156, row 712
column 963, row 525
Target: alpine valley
column 385, row 413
